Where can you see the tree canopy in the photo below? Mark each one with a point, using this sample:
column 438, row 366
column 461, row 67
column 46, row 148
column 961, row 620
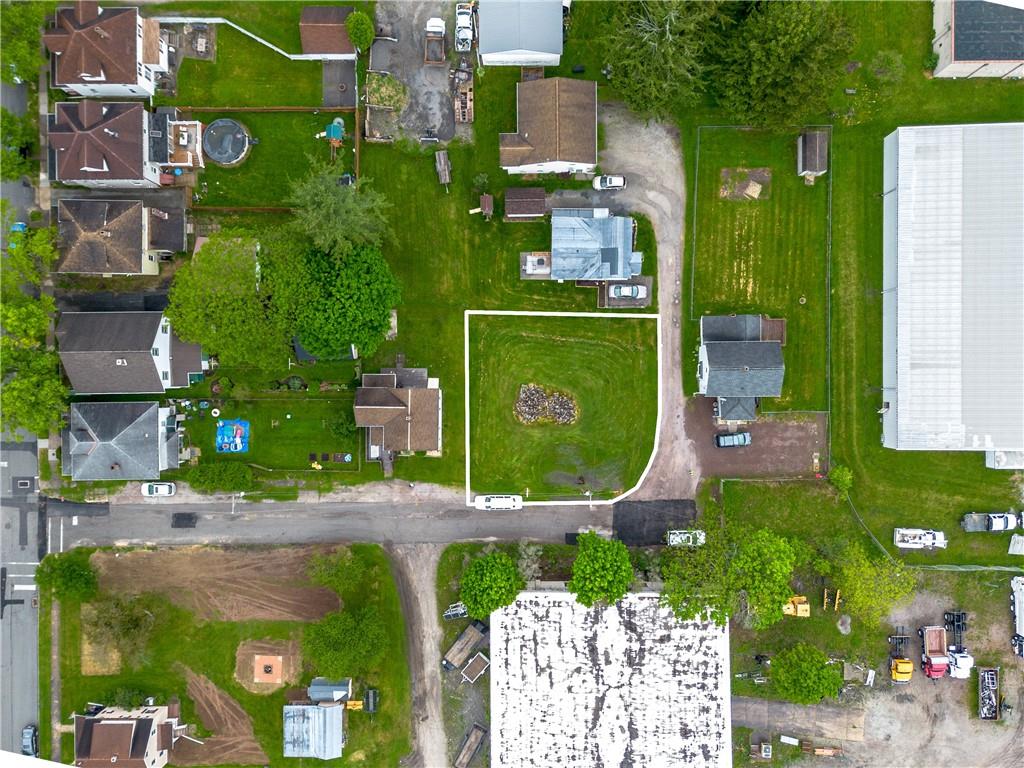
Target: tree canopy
column 802, row 674
column 19, row 137
column 223, row 476
column 345, row 643
column 697, row 580
column 782, row 62
column 870, row 587
column 360, row 30
column 349, row 301
column 601, row 572
column 489, row 583
column 659, row 52
column 125, row 623
column 762, row 568
column 19, row 39
column 338, row 218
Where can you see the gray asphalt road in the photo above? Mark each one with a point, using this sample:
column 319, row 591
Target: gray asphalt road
column 19, row 626
column 292, row 523
column 21, row 197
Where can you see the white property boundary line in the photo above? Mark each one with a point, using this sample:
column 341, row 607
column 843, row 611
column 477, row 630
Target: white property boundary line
column 606, row 315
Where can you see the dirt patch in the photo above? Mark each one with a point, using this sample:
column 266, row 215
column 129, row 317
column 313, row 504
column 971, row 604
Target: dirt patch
column 264, row 666
column 780, row 446
column 740, row 184
column 233, row 741
column 222, row 584
column 96, row 658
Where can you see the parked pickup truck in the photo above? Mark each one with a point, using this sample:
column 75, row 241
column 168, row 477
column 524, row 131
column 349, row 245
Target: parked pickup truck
column 919, row 538
column 995, row 522
column 433, row 42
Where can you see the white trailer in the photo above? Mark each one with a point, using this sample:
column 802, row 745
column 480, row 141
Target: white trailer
column 919, row 538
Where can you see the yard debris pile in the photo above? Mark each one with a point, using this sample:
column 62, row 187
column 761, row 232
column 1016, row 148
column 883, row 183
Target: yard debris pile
column 745, row 184
column 536, row 405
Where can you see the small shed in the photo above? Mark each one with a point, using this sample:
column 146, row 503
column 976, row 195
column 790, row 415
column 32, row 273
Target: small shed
column 487, row 206
column 812, row 153
column 524, row 203
column 312, row 730
column 464, row 645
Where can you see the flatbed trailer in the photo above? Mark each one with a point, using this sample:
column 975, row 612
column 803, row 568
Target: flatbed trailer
column 474, row 739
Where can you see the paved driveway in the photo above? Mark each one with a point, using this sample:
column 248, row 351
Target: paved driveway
column 822, row 721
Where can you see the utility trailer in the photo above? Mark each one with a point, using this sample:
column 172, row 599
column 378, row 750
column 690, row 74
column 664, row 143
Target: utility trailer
column 433, row 43
column 989, row 705
column 918, row 538
column 993, row 522
column 464, row 645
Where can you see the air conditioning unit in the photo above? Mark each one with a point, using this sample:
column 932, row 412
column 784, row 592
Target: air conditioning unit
column 157, row 134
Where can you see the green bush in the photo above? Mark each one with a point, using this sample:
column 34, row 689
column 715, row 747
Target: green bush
column 344, row 426
column 802, row 674
column 931, row 61
column 489, row 583
column 226, row 477
column 601, row 571
column 126, row 698
column 70, row 575
column 842, row 478
column 337, row 571
column 360, row 30
column 345, row 643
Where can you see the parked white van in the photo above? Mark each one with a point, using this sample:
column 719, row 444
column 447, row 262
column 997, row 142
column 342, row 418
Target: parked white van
column 498, row 502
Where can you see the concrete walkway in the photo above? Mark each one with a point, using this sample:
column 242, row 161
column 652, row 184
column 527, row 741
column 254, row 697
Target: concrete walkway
column 821, row 721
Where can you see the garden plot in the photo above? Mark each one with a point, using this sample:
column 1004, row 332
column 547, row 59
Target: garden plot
column 591, row 400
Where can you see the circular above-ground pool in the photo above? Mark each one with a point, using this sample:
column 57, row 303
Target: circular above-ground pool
column 226, row 141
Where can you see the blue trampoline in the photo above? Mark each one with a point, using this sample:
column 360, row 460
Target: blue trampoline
column 232, row 436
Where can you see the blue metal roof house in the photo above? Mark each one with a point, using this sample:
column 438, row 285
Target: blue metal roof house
column 591, row 244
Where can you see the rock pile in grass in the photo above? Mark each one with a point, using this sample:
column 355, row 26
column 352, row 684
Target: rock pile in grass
column 536, row 405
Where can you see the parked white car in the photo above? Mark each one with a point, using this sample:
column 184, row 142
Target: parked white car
column 498, row 502
column 620, row 291
column 463, row 27
column 602, row 183
column 158, row 489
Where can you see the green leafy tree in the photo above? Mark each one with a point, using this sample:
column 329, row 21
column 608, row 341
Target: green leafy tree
column 345, row 643
column 697, row 580
column 26, row 319
column 601, row 571
column 782, row 62
column 659, row 52
column 762, row 568
column 19, row 39
column 360, row 30
column 222, row 476
column 125, row 623
column 29, row 258
column 489, row 583
column 221, row 300
column 33, row 396
column 842, row 478
column 18, row 137
column 870, row 587
column 802, row 674
column 339, row 218
column 349, row 302
column 70, row 575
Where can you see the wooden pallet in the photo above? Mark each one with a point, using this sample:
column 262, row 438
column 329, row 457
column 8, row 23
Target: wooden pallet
column 463, row 100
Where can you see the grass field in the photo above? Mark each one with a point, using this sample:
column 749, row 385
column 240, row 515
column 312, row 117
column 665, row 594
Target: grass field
column 608, row 366
column 762, row 256
column 286, row 145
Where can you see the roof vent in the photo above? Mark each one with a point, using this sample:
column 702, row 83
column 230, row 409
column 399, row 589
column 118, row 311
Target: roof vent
column 102, row 33
column 746, row 369
column 121, row 361
column 110, row 132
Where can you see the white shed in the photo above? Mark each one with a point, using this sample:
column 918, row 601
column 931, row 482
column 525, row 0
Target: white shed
column 520, row 33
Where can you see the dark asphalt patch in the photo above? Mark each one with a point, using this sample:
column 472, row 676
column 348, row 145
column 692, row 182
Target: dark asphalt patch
column 644, row 523
column 184, row 520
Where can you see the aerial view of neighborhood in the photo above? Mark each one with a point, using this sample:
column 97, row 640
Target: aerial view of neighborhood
column 512, row 383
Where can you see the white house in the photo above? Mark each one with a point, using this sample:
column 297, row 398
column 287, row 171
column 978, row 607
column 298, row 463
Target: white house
column 556, row 129
column 520, row 33
column 979, row 38
column 105, row 52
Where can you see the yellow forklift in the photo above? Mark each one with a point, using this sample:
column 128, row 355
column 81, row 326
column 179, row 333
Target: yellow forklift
column 901, row 668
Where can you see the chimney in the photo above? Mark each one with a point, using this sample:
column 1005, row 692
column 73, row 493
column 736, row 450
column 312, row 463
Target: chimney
column 86, row 12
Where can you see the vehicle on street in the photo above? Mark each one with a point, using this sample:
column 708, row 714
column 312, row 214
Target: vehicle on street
column 901, row 668
column 433, row 42
column 619, row 291
column 603, row 183
column 918, row 538
column 30, row 741
column 158, row 489
column 17, row 228
column 994, row 522
column 463, row 27
column 498, row 502
column 732, row 439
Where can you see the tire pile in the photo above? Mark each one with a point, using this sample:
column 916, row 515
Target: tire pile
column 535, row 405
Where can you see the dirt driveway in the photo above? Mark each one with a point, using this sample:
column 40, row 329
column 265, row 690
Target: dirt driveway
column 430, row 104
column 648, row 154
column 780, row 447
column 233, row 740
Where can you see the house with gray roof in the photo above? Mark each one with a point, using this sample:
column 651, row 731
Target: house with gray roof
column 119, row 441
column 520, row 33
column 322, row 689
column 586, row 244
column 953, row 290
column 740, row 362
column 979, row 38
column 123, row 353
column 314, row 730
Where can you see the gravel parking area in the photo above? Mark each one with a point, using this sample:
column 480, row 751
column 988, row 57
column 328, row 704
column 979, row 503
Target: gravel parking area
column 780, row 447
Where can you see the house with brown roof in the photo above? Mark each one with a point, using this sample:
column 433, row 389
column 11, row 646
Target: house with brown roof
column 400, row 409
column 126, row 353
column 556, row 128
column 118, row 144
column 143, row 737
column 116, row 237
column 324, row 34
column 105, row 51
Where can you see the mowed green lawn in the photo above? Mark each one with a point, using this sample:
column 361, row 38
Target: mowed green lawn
column 286, row 146
column 608, row 366
column 761, row 256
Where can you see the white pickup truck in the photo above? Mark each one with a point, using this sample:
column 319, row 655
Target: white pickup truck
column 919, row 538
column 995, row 522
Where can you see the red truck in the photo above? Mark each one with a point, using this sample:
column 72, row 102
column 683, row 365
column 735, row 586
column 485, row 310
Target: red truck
column 934, row 660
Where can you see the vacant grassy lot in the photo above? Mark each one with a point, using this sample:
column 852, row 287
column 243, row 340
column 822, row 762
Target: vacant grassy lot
column 608, row 366
column 208, row 648
column 763, row 256
column 286, row 146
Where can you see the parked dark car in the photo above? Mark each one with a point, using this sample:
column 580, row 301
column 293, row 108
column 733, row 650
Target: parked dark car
column 732, row 439
column 30, row 741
